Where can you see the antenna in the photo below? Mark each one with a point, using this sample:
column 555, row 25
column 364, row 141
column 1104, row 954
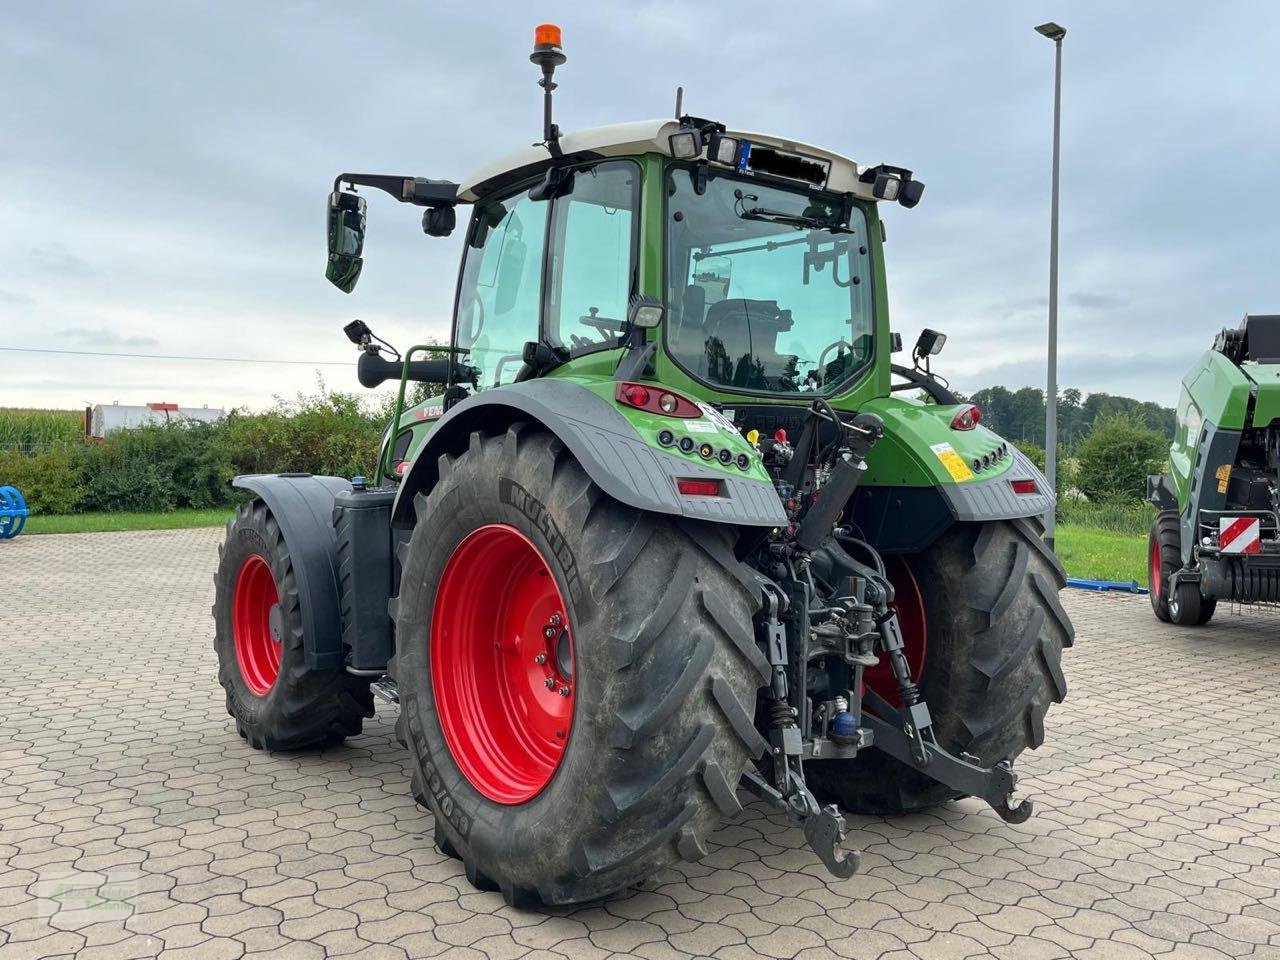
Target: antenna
column 548, row 55
column 679, row 102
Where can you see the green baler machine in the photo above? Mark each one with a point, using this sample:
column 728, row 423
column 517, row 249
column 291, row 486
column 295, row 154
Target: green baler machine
column 1215, row 537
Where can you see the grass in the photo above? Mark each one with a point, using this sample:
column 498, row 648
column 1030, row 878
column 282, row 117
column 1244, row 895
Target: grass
column 1093, row 554
column 103, row 522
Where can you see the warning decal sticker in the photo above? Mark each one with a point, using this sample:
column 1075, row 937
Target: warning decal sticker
column 954, row 463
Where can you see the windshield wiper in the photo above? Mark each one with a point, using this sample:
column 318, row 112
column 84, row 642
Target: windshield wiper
column 800, row 221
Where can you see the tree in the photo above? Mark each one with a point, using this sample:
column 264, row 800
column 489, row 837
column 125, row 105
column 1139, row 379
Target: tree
column 1116, row 458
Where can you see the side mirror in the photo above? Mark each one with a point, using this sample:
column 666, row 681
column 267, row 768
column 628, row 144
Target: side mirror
column 346, row 240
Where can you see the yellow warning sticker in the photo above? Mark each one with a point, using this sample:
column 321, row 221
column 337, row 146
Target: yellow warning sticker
column 954, row 463
column 1223, row 473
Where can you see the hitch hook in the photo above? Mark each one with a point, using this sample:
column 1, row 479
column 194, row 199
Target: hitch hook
column 824, row 830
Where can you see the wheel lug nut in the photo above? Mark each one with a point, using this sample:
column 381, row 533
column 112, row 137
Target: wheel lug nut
column 556, row 620
column 550, row 682
column 549, row 632
column 540, row 659
column 564, row 691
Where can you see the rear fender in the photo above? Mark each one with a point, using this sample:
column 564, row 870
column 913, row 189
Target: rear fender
column 606, row 445
column 302, row 505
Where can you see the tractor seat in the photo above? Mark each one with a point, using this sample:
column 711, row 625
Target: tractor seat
column 746, row 327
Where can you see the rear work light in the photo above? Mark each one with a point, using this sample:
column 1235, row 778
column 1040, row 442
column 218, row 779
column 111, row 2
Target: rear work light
column 653, row 399
column 967, row 418
column 1024, row 488
column 699, row 488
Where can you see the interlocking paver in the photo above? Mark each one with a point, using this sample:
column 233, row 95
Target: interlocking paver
column 1157, row 830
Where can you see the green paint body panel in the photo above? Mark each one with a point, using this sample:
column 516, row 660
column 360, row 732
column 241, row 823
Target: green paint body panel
column 1266, row 391
column 908, row 455
column 1215, row 391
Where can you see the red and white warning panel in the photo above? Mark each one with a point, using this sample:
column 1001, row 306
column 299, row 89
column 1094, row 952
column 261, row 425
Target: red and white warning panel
column 1240, row 535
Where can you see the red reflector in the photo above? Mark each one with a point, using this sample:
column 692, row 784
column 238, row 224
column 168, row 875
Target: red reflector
column 699, row 488
column 968, row 418
column 636, row 396
column 1024, row 487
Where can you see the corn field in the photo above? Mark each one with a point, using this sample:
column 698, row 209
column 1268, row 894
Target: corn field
column 33, row 430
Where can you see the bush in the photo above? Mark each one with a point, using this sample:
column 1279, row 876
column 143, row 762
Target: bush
column 323, row 433
column 1116, row 458
column 190, row 464
column 160, row 467
column 50, row 482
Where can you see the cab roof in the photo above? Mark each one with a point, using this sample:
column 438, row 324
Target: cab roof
column 639, row 137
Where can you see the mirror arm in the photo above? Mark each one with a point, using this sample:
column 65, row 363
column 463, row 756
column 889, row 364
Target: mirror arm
column 416, row 190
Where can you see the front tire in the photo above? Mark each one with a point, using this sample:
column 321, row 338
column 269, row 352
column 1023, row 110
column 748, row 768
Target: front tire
column 1182, row 604
column 277, row 701
column 992, row 668
column 660, row 663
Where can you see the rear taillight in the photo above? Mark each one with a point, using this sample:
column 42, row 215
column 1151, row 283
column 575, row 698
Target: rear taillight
column 699, row 488
column 967, row 418
column 1024, row 488
column 656, row 400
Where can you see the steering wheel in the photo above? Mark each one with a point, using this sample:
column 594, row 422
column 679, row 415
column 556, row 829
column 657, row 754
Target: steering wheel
column 822, row 357
column 608, row 326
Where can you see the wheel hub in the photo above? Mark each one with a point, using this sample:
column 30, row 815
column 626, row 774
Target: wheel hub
column 257, row 625
column 502, row 664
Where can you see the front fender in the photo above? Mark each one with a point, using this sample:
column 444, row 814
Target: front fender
column 303, row 506
column 605, row 444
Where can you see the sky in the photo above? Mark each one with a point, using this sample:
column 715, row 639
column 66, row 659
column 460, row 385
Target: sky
column 165, row 167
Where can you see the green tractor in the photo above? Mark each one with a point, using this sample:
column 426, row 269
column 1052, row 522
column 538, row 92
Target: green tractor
column 1215, row 537
column 674, row 527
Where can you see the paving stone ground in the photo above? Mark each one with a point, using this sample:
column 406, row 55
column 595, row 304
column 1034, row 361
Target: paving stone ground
column 134, row 822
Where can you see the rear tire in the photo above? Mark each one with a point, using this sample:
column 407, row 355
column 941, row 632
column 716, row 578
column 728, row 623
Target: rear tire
column 278, row 703
column 993, row 666
column 664, row 675
column 1182, row 605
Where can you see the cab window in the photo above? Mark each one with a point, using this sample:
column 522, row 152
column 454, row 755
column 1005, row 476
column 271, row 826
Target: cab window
column 500, row 295
column 592, row 268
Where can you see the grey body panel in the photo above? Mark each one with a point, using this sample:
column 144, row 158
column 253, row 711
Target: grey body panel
column 1215, row 448
column 1160, row 492
column 909, row 519
column 994, row 499
column 604, row 443
column 303, row 506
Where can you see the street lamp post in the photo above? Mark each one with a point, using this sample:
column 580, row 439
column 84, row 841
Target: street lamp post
column 1054, row 33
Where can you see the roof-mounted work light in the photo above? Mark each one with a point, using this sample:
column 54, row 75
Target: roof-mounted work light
column 724, row 149
column 893, row 183
column 686, row 145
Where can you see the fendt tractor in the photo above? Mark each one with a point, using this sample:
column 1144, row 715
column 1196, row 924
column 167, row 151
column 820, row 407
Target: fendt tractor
column 1215, row 537
column 674, row 528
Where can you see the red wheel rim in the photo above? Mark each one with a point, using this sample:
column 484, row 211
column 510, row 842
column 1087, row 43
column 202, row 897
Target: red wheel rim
column 502, row 664
column 1153, row 571
column 258, row 646
column 909, row 606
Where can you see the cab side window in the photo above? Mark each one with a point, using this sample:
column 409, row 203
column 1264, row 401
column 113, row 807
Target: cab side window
column 592, row 268
column 500, row 296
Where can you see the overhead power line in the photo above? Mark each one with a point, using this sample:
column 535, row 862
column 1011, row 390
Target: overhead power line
column 161, row 356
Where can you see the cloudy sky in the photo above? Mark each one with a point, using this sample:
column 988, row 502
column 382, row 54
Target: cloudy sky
column 165, row 166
